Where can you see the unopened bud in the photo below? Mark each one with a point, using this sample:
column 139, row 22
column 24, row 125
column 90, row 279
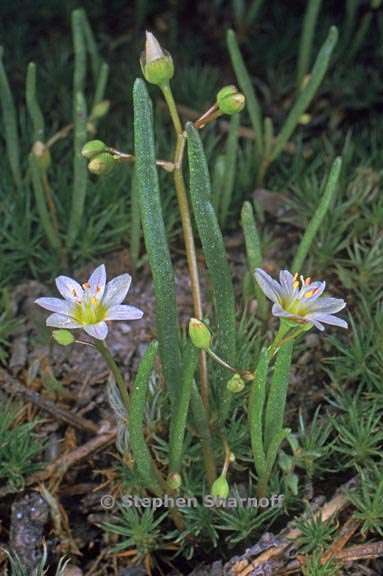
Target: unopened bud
column 174, row 481
column 199, row 334
column 63, row 337
column 102, row 164
column 236, row 384
column 156, row 63
column 230, row 101
column 220, row 488
column 42, row 155
column 100, row 109
column 93, row 148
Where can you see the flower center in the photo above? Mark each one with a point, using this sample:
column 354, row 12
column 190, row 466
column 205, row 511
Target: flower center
column 89, row 311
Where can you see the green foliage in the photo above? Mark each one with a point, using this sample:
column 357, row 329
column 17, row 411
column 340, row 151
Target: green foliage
column 19, row 447
column 314, row 566
column 315, row 535
column 367, row 499
column 360, row 435
column 16, row 568
column 140, row 531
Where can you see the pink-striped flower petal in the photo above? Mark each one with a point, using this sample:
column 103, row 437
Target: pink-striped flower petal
column 69, row 288
column 97, row 281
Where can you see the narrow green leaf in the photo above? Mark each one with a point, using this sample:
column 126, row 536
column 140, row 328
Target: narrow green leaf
column 306, row 42
column 246, row 86
column 273, row 449
column 314, row 225
column 101, row 83
column 79, row 74
column 155, row 238
column 80, row 170
column 141, row 454
column 308, row 92
column 33, row 104
column 8, row 109
column 213, row 246
column 255, row 414
column 91, row 45
column 201, row 422
column 41, row 204
column 231, row 153
column 178, row 422
column 276, row 398
column 254, row 254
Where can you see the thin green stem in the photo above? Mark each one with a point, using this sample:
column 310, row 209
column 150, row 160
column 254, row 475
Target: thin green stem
column 109, row 360
column 187, row 228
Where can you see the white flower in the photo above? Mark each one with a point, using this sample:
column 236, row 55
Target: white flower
column 91, row 305
column 301, row 300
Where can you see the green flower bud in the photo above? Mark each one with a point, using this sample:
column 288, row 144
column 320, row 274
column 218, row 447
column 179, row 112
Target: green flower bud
column 100, row 109
column 63, row 337
column 42, row 154
column 93, row 148
column 102, row 164
column 156, row 64
column 230, row 101
column 174, row 481
column 220, row 488
column 236, row 384
column 199, row 334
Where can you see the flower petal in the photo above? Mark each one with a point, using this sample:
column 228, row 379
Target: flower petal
column 286, row 280
column 327, row 305
column 61, row 321
column 269, row 287
column 69, row 288
column 124, row 312
column 116, row 290
column 99, row 330
column 97, row 281
column 329, row 319
column 55, row 305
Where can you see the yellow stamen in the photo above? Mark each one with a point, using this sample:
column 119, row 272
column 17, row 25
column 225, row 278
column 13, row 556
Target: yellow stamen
column 295, row 280
column 311, row 293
